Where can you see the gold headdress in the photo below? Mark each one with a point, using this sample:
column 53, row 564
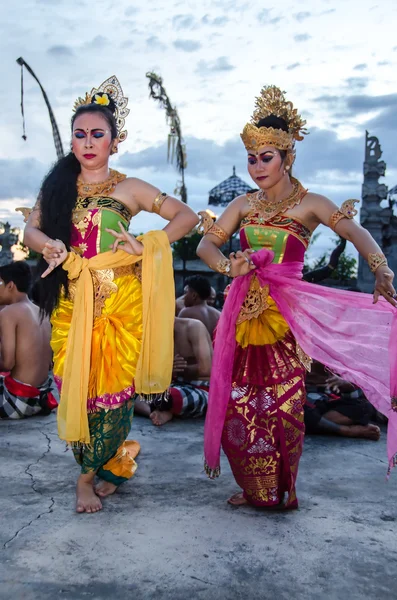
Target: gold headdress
column 273, row 102
column 109, row 93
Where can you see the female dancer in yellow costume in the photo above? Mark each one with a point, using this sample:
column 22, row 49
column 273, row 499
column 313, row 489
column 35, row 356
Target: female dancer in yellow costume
column 110, row 296
column 255, row 408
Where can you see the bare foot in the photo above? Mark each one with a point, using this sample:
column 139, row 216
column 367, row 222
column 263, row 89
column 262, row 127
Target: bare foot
column 160, row 417
column 105, row 488
column 370, row 432
column 86, row 499
column 238, row 499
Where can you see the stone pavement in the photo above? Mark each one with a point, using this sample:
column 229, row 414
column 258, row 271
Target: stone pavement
column 169, row 534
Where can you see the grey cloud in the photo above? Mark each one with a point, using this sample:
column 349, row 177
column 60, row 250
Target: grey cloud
column 127, row 44
column 265, row 17
column 348, row 106
column 187, row 45
column 205, row 158
column 320, row 152
column 60, row 51
column 220, row 64
column 155, row 41
column 301, row 16
column 328, row 12
column 360, row 67
column 293, row 66
column 302, row 37
column 184, row 22
column 326, row 99
column 362, row 103
column 21, row 178
column 357, row 82
column 98, row 42
column 383, row 63
column 275, row 20
column 131, row 10
column 217, row 21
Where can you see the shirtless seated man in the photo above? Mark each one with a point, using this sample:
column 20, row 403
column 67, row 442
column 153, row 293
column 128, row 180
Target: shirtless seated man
column 197, row 292
column 188, row 394
column 25, row 353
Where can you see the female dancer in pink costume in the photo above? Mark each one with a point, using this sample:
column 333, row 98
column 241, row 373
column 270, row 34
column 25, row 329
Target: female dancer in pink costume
column 273, row 321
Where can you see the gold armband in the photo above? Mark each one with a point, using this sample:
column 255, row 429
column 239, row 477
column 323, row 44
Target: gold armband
column 223, row 266
column 207, row 225
column 158, row 202
column 218, row 232
column 375, row 260
column 346, row 211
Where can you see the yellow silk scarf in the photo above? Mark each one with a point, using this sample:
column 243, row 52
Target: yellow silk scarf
column 154, row 367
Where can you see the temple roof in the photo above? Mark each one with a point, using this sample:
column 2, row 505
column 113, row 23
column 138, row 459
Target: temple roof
column 225, row 192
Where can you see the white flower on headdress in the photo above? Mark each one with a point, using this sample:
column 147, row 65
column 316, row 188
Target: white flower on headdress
column 103, row 100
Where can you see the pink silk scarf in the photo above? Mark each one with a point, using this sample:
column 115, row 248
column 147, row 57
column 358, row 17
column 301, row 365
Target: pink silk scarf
column 343, row 330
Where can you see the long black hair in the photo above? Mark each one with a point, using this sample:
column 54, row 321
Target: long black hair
column 58, row 195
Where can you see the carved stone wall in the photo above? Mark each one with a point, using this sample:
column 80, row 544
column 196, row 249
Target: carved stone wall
column 373, row 217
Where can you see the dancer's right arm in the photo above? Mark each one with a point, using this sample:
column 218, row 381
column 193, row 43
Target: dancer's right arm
column 32, row 236
column 54, row 251
column 208, row 249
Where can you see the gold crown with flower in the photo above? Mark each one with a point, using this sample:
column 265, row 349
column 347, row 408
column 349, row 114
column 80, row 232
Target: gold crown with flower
column 272, row 101
column 108, row 93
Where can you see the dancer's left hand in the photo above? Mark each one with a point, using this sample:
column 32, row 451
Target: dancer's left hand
column 384, row 285
column 127, row 241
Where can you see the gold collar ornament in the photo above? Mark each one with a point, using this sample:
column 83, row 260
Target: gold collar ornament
column 110, row 88
column 268, row 209
column 272, row 101
column 102, row 188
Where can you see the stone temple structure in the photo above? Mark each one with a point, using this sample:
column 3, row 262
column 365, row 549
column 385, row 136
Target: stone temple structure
column 376, row 213
column 7, row 240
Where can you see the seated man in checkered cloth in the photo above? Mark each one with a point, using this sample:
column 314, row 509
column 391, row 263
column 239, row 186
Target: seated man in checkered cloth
column 26, row 386
column 188, row 394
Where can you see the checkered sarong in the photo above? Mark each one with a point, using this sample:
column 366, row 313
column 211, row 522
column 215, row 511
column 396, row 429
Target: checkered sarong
column 189, row 399
column 19, row 400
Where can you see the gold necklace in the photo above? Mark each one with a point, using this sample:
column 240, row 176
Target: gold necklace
column 102, row 188
column 268, row 209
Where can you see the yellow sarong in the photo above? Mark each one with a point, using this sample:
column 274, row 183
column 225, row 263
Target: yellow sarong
column 154, row 367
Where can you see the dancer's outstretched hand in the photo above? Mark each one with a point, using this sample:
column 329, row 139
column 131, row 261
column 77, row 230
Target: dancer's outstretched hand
column 126, row 240
column 54, row 253
column 384, row 285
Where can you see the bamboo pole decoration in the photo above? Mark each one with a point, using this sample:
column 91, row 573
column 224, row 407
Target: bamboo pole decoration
column 55, row 130
column 176, row 149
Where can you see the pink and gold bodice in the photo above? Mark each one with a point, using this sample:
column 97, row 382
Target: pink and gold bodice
column 90, row 219
column 285, row 236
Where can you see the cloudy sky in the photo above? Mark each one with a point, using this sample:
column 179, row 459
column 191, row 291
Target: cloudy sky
column 335, row 58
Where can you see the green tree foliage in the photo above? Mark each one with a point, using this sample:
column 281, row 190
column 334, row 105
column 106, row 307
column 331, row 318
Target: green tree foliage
column 185, row 249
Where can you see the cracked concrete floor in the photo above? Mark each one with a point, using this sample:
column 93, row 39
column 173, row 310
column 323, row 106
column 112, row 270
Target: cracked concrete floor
column 169, row 534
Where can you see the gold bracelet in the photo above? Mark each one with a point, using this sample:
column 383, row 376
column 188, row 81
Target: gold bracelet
column 223, row 266
column 376, row 260
column 346, row 211
column 158, row 202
